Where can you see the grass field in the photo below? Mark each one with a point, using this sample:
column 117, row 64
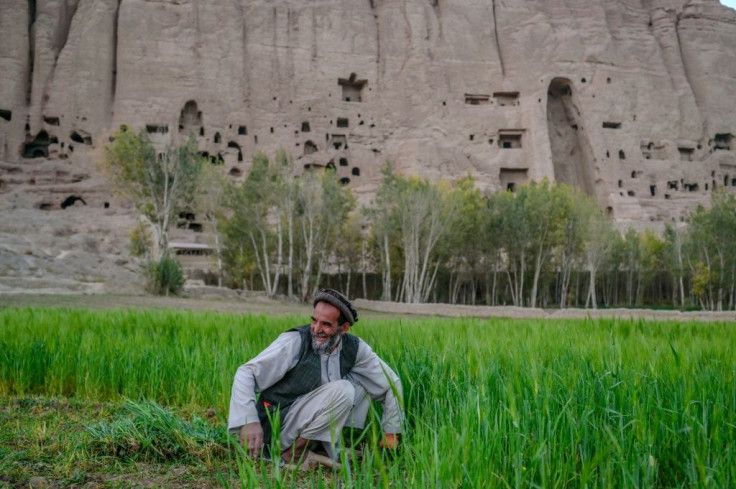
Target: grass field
column 125, row 398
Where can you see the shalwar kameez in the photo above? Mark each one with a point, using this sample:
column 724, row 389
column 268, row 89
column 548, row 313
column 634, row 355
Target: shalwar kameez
column 320, row 414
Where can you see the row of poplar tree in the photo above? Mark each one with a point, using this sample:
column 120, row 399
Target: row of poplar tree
column 544, row 245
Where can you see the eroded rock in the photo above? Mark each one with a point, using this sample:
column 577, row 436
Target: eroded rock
column 633, row 102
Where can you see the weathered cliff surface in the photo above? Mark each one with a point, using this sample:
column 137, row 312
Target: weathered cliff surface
column 632, row 100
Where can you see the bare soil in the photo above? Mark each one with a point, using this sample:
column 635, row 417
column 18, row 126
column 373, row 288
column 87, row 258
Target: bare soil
column 228, row 301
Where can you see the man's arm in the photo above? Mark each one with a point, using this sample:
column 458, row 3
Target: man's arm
column 259, row 373
column 382, row 384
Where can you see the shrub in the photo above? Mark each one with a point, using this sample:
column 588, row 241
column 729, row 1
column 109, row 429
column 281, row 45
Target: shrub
column 140, row 240
column 165, row 277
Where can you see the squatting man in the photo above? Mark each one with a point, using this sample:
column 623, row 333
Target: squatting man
column 320, row 379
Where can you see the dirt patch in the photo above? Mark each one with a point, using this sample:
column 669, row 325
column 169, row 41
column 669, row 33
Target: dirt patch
column 212, row 299
column 450, row 310
column 251, row 303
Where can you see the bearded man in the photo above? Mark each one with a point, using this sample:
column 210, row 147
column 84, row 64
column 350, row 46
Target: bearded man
column 318, row 378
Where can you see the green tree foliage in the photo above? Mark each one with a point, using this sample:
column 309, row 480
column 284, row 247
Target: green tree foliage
column 597, row 237
column 280, row 224
column 158, row 183
column 711, row 245
column 382, row 217
column 547, row 207
column 322, row 208
column 469, row 247
column 209, row 202
column 545, row 245
column 675, row 260
column 351, row 253
column 509, row 223
column 574, row 250
column 544, row 231
column 253, row 232
column 417, row 215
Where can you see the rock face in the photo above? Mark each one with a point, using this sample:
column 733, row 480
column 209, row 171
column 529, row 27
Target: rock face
column 632, row 100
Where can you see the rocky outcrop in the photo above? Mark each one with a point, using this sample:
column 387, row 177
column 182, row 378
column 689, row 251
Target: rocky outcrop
column 632, row 100
column 52, row 242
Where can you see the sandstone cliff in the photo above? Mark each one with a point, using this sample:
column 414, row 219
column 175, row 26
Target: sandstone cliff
column 632, row 100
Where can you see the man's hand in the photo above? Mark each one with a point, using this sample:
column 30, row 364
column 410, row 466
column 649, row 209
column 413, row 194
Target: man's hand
column 251, row 437
column 390, row 441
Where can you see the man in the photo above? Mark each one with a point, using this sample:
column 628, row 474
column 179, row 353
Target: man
column 319, row 378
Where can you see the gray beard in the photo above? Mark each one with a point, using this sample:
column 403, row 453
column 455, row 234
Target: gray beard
column 327, row 346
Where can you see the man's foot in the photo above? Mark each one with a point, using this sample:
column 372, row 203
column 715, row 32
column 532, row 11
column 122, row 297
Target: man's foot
column 353, row 454
column 296, row 451
column 311, row 460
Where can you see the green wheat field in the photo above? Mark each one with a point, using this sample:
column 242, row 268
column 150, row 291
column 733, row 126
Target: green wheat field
column 125, row 398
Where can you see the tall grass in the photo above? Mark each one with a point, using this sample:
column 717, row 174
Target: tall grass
column 490, row 403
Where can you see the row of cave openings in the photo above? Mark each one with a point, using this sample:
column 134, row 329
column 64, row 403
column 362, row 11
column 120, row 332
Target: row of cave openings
column 337, row 142
column 719, row 142
column 499, row 99
column 572, row 154
column 190, row 121
column 507, row 138
column 680, row 184
column 38, row 147
column 188, row 220
column 70, row 201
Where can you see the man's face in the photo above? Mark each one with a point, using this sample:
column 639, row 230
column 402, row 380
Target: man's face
column 326, row 333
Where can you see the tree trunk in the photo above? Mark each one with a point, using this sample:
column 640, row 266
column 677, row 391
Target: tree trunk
column 520, row 293
column 266, row 263
column 512, row 287
column 258, row 259
column 493, row 293
column 363, row 267
column 387, row 269
column 279, row 260
column 218, row 250
column 535, row 282
column 290, row 277
column 591, row 289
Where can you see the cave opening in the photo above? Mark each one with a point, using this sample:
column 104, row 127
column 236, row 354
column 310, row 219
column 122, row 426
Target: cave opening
column 723, row 141
column 71, row 200
column 38, row 147
column 352, row 88
column 512, row 178
column 190, row 118
column 81, row 137
column 572, row 154
column 309, row 148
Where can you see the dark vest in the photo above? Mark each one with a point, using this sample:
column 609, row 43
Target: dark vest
column 303, row 378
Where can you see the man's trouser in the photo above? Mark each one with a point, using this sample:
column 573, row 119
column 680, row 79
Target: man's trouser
column 321, row 414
